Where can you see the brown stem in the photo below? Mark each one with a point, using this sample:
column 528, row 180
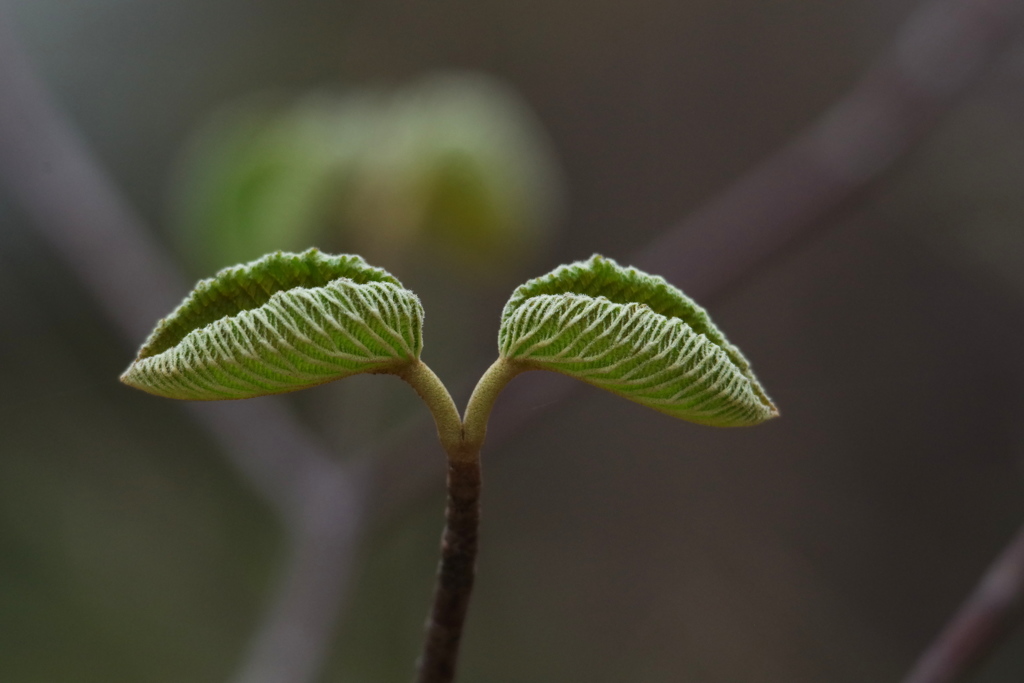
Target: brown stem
column 455, row 574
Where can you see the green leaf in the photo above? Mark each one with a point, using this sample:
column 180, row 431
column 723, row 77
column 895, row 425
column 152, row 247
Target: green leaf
column 278, row 324
column 636, row 335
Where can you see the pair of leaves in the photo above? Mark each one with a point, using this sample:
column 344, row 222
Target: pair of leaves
column 288, row 321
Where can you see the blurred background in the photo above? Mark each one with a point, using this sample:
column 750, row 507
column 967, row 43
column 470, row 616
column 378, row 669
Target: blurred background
column 468, row 146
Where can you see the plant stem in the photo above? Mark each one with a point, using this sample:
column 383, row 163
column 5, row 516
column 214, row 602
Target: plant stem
column 455, row 574
column 462, row 440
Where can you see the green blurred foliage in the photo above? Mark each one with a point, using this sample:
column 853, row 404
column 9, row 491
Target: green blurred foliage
column 467, row 159
column 455, row 162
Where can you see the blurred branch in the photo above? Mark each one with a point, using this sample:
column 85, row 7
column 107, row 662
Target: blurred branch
column 292, row 642
column 50, row 172
column 981, row 622
column 941, row 50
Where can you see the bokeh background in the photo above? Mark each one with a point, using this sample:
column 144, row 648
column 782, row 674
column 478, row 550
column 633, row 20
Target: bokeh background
column 617, row 544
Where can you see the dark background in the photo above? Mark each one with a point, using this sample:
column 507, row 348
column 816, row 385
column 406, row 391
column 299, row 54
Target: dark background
column 618, row 544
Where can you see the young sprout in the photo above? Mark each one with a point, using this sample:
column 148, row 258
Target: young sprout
column 289, row 321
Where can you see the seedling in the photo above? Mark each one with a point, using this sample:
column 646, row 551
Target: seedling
column 290, row 321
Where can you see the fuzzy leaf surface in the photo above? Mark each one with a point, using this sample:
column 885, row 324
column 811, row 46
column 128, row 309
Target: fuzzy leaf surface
column 278, row 324
column 636, row 335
